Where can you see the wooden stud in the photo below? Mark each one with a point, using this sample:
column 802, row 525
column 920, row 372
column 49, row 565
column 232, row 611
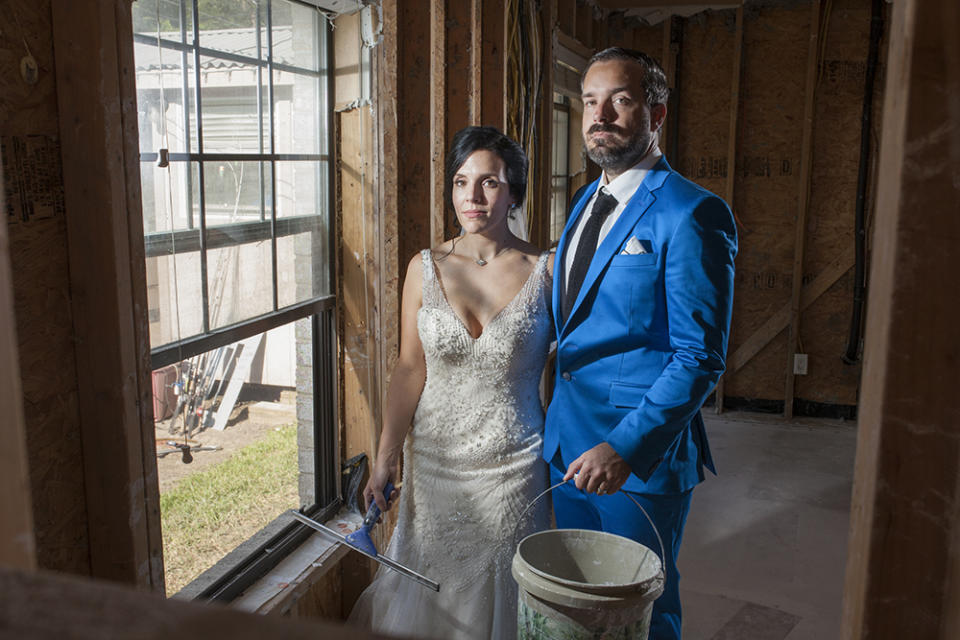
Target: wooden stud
column 732, row 144
column 583, row 27
column 476, row 62
column 567, row 17
column 414, row 118
column 803, row 204
column 903, row 573
column 637, row 4
column 97, row 108
column 493, row 63
column 670, row 58
column 386, row 174
column 542, row 166
column 438, row 125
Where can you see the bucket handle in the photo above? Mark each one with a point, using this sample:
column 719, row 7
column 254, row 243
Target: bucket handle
column 663, row 554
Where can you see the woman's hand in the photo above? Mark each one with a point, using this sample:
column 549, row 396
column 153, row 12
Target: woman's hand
column 373, row 492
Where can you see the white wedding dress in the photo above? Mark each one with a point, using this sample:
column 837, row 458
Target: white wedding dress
column 472, row 463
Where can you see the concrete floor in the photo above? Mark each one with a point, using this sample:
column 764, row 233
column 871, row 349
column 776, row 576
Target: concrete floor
column 764, row 548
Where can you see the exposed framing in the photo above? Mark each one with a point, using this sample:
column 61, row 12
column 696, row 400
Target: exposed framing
column 438, row 119
column 803, row 204
column 732, row 140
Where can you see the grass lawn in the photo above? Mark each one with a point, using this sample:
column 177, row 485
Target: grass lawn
column 211, row 512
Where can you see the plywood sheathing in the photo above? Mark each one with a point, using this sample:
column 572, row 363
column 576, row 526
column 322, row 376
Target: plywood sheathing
column 903, row 562
column 41, row 283
column 767, row 189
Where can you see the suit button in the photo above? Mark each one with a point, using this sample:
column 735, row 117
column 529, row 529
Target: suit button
column 566, row 375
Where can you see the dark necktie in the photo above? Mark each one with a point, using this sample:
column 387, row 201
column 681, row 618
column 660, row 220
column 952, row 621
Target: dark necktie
column 604, row 204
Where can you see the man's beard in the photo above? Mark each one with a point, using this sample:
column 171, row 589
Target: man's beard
column 613, row 154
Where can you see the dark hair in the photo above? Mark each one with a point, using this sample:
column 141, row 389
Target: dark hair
column 654, row 79
column 471, row 139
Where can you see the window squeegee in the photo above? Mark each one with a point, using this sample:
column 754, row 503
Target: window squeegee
column 361, row 542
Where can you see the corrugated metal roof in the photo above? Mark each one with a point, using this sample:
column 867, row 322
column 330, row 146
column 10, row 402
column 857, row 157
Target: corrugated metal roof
column 236, row 41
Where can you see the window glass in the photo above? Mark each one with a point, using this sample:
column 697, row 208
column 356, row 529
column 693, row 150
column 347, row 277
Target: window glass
column 261, row 161
column 163, row 117
column 236, row 230
column 244, row 412
column 294, row 29
column 151, row 17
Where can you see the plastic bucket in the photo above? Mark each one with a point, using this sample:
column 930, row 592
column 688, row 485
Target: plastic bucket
column 576, row 583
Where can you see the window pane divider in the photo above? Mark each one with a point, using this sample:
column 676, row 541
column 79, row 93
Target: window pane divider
column 187, row 348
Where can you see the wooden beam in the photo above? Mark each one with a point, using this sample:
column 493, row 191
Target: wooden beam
column 414, row 118
column 903, row 573
column 732, row 144
column 672, row 30
column 567, row 16
column 583, row 27
column 542, row 167
column 566, row 40
column 386, row 178
column 17, row 544
column 98, row 130
column 665, row 4
column 438, row 124
column 779, row 320
column 476, row 62
column 493, row 63
column 803, row 202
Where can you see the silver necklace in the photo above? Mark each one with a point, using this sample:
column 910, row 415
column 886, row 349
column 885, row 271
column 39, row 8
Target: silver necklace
column 480, row 262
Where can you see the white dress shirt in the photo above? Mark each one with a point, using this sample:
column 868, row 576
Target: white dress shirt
column 622, row 188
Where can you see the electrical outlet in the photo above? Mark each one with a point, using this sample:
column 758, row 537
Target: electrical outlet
column 800, row 364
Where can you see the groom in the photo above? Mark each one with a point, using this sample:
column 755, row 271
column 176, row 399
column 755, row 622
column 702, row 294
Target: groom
column 642, row 297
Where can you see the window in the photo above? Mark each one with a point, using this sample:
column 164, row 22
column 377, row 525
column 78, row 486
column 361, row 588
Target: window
column 234, row 116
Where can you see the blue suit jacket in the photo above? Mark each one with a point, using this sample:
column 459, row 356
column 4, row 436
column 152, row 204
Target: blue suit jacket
column 646, row 339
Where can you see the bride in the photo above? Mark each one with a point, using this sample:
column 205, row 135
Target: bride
column 463, row 408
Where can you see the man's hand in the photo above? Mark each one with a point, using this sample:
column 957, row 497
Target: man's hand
column 599, row 470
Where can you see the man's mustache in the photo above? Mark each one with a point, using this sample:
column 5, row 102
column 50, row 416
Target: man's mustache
column 606, row 128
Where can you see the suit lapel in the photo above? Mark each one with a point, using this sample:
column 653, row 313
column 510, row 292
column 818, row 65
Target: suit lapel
column 639, row 203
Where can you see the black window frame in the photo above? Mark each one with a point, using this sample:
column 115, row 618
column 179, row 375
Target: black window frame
column 321, row 310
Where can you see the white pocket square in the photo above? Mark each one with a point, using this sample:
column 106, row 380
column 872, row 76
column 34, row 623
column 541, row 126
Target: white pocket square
column 634, row 247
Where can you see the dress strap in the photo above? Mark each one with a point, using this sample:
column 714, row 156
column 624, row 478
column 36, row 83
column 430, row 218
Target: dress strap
column 432, row 296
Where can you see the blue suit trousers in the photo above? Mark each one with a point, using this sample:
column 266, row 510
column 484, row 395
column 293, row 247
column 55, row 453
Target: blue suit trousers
column 575, row 509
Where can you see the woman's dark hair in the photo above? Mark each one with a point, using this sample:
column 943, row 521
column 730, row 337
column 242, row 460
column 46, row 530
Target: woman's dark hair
column 471, row 139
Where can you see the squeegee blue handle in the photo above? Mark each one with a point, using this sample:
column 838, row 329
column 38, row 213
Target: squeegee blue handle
column 373, row 513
